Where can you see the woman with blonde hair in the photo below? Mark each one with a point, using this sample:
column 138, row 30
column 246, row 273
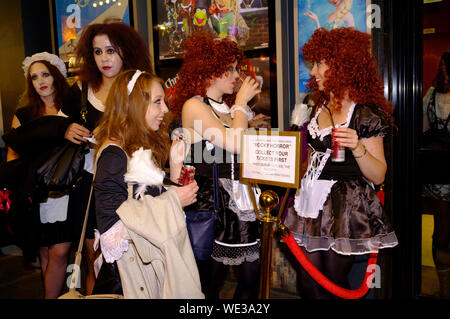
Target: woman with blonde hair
column 141, row 241
column 342, row 17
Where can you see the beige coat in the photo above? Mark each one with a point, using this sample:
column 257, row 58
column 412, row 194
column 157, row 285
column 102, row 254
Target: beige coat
column 159, row 262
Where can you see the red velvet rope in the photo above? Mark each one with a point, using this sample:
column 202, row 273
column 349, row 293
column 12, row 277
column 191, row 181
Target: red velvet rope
column 5, row 201
column 324, row 281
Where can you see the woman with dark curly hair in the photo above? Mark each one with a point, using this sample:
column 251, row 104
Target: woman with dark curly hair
column 204, row 91
column 103, row 51
column 337, row 213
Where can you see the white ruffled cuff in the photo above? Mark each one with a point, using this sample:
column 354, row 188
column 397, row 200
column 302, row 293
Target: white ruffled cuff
column 114, row 242
column 245, row 109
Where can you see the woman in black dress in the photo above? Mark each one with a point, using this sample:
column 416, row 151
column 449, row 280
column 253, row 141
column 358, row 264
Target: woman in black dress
column 205, row 90
column 337, row 213
column 103, row 51
column 134, row 145
column 45, row 90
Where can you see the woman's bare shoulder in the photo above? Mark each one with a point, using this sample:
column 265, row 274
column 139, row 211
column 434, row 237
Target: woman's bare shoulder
column 194, row 104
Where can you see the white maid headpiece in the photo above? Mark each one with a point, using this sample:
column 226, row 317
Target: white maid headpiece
column 133, row 80
column 51, row 58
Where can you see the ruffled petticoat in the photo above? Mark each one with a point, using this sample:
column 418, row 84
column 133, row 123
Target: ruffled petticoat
column 237, row 231
column 351, row 221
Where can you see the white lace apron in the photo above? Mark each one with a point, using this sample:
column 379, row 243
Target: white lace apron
column 240, row 203
column 54, row 209
column 313, row 191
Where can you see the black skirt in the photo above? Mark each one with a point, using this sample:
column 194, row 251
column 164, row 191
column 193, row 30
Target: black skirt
column 78, row 200
column 352, row 221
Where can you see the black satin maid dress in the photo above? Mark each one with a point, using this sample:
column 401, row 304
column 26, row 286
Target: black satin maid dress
column 352, row 220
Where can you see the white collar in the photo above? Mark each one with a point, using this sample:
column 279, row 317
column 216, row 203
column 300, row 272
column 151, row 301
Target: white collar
column 219, row 107
column 96, row 103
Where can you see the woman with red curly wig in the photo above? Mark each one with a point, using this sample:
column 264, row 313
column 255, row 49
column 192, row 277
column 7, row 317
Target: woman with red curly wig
column 205, row 91
column 337, row 213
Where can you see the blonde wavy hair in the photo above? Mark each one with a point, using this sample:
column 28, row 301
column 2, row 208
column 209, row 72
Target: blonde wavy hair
column 341, row 13
column 124, row 118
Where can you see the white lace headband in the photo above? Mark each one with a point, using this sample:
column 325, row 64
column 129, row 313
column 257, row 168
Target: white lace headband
column 133, row 80
column 51, row 58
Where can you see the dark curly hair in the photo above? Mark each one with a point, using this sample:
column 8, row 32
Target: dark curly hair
column 352, row 68
column 206, row 57
column 441, row 81
column 128, row 43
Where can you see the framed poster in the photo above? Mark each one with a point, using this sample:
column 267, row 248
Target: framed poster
column 246, row 20
column 270, row 158
column 71, row 16
column 328, row 14
column 174, row 20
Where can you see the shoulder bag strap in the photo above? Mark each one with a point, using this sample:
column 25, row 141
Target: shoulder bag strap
column 78, row 255
column 84, row 93
column 86, row 214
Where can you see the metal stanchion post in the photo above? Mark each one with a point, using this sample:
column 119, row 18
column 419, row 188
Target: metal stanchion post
column 268, row 201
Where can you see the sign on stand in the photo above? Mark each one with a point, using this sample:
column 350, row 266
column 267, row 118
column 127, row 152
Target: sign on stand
column 270, row 157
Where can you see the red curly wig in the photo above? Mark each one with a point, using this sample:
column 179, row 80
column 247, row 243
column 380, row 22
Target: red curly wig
column 206, row 58
column 352, row 68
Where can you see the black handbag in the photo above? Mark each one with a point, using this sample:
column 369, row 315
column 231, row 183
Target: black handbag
column 436, row 137
column 65, row 164
column 201, row 225
column 63, row 167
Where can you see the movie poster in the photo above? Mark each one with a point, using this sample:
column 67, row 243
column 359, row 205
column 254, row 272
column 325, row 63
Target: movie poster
column 72, row 16
column 328, row 14
column 246, row 21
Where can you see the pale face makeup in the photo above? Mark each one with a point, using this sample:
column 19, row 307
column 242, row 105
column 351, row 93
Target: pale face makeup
column 157, row 107
column 106, row 56
column 42, row 80
column 226, row 83
column 318, row 71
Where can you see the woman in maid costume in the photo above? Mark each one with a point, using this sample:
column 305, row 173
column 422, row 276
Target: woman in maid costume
column 146, row 252
column 213, row 116
column 336, row 213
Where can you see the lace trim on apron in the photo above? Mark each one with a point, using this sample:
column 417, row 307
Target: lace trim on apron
column 313, row 192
